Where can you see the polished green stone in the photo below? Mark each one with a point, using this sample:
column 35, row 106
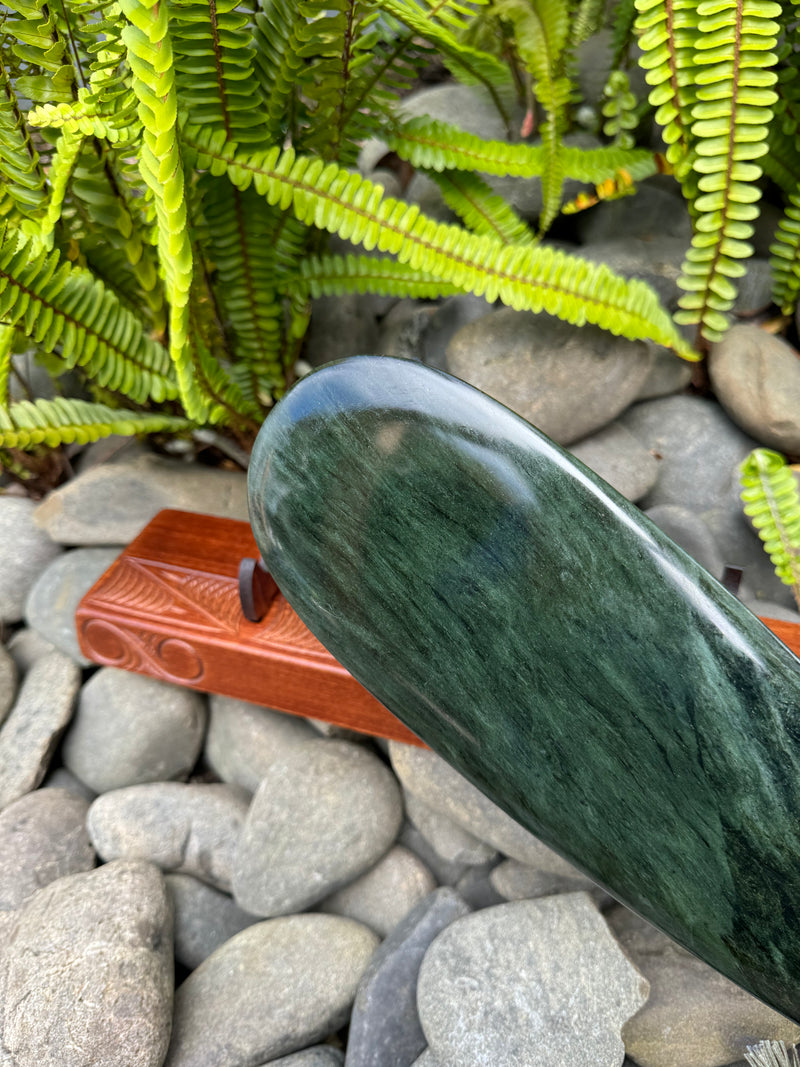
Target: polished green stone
column 545, row 638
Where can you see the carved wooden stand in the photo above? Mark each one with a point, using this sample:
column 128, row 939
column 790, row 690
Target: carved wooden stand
column 169, row 607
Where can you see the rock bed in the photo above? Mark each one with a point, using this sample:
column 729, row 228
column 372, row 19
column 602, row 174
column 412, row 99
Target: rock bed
column 197, row 881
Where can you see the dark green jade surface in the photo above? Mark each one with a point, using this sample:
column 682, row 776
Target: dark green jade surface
column 537, row 631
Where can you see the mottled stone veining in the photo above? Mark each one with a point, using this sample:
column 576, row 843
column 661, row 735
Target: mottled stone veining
column 552, row 644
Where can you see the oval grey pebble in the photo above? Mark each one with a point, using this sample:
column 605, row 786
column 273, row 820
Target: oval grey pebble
column 129, row 729
column 89, row 972
column 323, row 814
column 275, row 988
column 204, row 918
column 188, row 829
column 54, row 597
column 42, row 837
column 319, row 1056
column 386, row 893
column 244, row 740
column 25, row 551
column 8, row 682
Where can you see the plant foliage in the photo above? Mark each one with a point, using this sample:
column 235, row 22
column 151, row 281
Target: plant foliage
column 771, row 499
column 170, row 171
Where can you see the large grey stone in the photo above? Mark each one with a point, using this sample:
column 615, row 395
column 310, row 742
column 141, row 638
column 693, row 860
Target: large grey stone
column 386, row 893
column 244, row 740
column 668, row 374
column 276, row 987
column 89, row 972
column 204, row 918
column 8, row 682
column 130, row 729
column 384, row 1026
column 657, row 213
column 42, row 837
column 616, row 455
column 323, row 814
column 188, row 829
column 29, row 735
column 61, row 778
column 756, row 378
column 111, row 503
column 694, row 1017
column 700, row 450
column 54, row 598
column 534, row 981
column 429, row 777
column 24, row 551
column 319, row 1056
column 568, row 381
column 449, row 839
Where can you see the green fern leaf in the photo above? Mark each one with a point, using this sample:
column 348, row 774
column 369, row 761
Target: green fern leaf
column 482, row 210
column 61, row 165
column 734, row 65
column 40, row 42
column 78, row 119
column 525, row 277
column 440, row 146
column 64, row 421
column 771, row 500
column 337, row 275
column 278, row 31
column 7, row 334
column 149, row 46
column 64, row 309
column 785, row 257
column 21, row 174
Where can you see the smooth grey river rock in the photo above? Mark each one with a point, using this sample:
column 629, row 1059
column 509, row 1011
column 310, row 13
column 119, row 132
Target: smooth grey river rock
column 442, row 788
column 188, row 829
column 54, row 598
column 8, row 682
column 513, row 880
column 204, row 918
column 756, row 378
column 533, row 981
column 567, row 381
column 693, row 1017
column 446, row 837
column 25, row 551
column 619, row 459
column 384, row 1027
column 30, row 733
column 42, row 837
column 323, row 814
column 129, row 729
column 25, row 646
column 244, row 740
column 275, row 988
column 319, row 1056
column 385, row 894
column 110, row 504
column 89, row 972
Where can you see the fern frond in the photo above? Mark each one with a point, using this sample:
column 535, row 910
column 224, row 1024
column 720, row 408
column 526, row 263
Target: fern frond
column 215, row 68
column 21, row 173
column 771, row 500
column 61, row 165
column 781, row 163
column 524, row 277
column 63, row 308
column 64, row 421
column 440, row 146
column 6, row 348
column 77, row 119
column 541, row 29
column 734, row 61
column 278, row 30
column 482, row 210
column 785, row 257
column 39, row 42
column 147, row 40
column 622, row 31
column 470, row 65
column 587, row 20
column 619, row 110
column 332, row 275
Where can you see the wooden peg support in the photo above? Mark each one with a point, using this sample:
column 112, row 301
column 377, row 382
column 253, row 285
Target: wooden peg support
column 169, row 607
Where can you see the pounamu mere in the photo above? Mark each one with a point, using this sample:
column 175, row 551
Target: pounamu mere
column 532, row 627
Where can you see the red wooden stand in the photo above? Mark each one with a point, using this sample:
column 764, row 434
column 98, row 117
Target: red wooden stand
column 169, row 607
